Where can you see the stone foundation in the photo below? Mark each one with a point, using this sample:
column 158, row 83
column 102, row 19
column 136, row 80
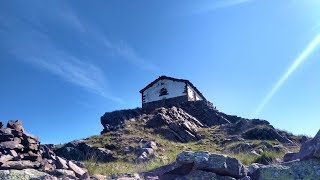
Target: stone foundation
column 165, row 102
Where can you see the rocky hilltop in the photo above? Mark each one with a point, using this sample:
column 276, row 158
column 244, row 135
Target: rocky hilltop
column 192, row 140
column 183, row 122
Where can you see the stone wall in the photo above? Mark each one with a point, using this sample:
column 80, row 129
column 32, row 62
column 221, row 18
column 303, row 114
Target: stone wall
column 165, row 102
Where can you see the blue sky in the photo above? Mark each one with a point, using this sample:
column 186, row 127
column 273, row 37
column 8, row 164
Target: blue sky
column 64, row 63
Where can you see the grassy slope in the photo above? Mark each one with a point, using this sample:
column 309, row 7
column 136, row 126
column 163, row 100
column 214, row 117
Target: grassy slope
column 134, row 131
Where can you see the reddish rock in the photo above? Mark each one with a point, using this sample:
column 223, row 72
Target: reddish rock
column 17, row 140
column 78, row 171
column 32, row 156
column 47, row 165
column 61, row 163
column 24, row 164
column 11, row 145
column 17, row 125
column 4, row 158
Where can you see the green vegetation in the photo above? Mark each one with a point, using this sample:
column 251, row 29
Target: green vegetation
column 130, row 136
column 121, row 167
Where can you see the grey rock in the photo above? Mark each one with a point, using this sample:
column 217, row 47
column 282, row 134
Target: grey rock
column 150, row 144
column 310, row 149
column 47, row 165
column 5, row 130
column 25, row 174
column 11, row 145
column 290, row 156
column 182, row 126
column 217, row 163
column 295, row 170
column 13, row 153
column 245, row 178
column 124, row 176
column 80, row 150
column 98, row 177
column 204, row 175
column 149, row 151
column 23, row 164
column 63, row 172
column 253, row 167
column 4, row 158
column 45, row 151
column 16, row 125
column 265, row 133
column 242, row 147
column 61, row 163
column 100, row 154
column 76, row 169
column 70, row 153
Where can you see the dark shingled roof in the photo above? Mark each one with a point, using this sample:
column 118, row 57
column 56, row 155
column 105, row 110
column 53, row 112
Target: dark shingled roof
column 173, row 79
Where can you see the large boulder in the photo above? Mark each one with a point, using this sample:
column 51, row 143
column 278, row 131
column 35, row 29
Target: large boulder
column 265, row 133
column 70, row 153
column 23, row 164
column 177, row 122
column 79, row 150
column 204, row 175
column 25, row 174
column 146, row 151
column 11, row 145
column 16, row 125
column 204, row 112
column 200, row 165
column 310, row 149
column 114, row 120
column 295, row 170
column 216, row 163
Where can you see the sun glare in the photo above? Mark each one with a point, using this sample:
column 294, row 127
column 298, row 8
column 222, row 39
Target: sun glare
column 296, row 63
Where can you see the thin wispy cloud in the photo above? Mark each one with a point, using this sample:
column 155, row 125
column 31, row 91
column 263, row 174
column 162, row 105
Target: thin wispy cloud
column 93, row 34
column 128, row 53
column 303, row 56
column 77, row 72
column 219, row 4
column 35, row 47
column 43, row 55
column 36, row 43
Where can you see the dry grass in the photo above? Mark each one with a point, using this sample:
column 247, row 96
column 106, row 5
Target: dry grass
column 167, row 149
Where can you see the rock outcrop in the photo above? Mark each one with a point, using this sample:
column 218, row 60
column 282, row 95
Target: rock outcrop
column 200, row 165
column 181, row 122
column 199, row 111
column 205, row 165
column 295, row 170
column 146, row 151
column 310, row 149
column 22, row 157
column 79, row 150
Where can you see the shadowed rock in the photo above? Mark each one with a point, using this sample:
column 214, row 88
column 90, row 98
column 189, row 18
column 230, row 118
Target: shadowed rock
column 310, row 149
